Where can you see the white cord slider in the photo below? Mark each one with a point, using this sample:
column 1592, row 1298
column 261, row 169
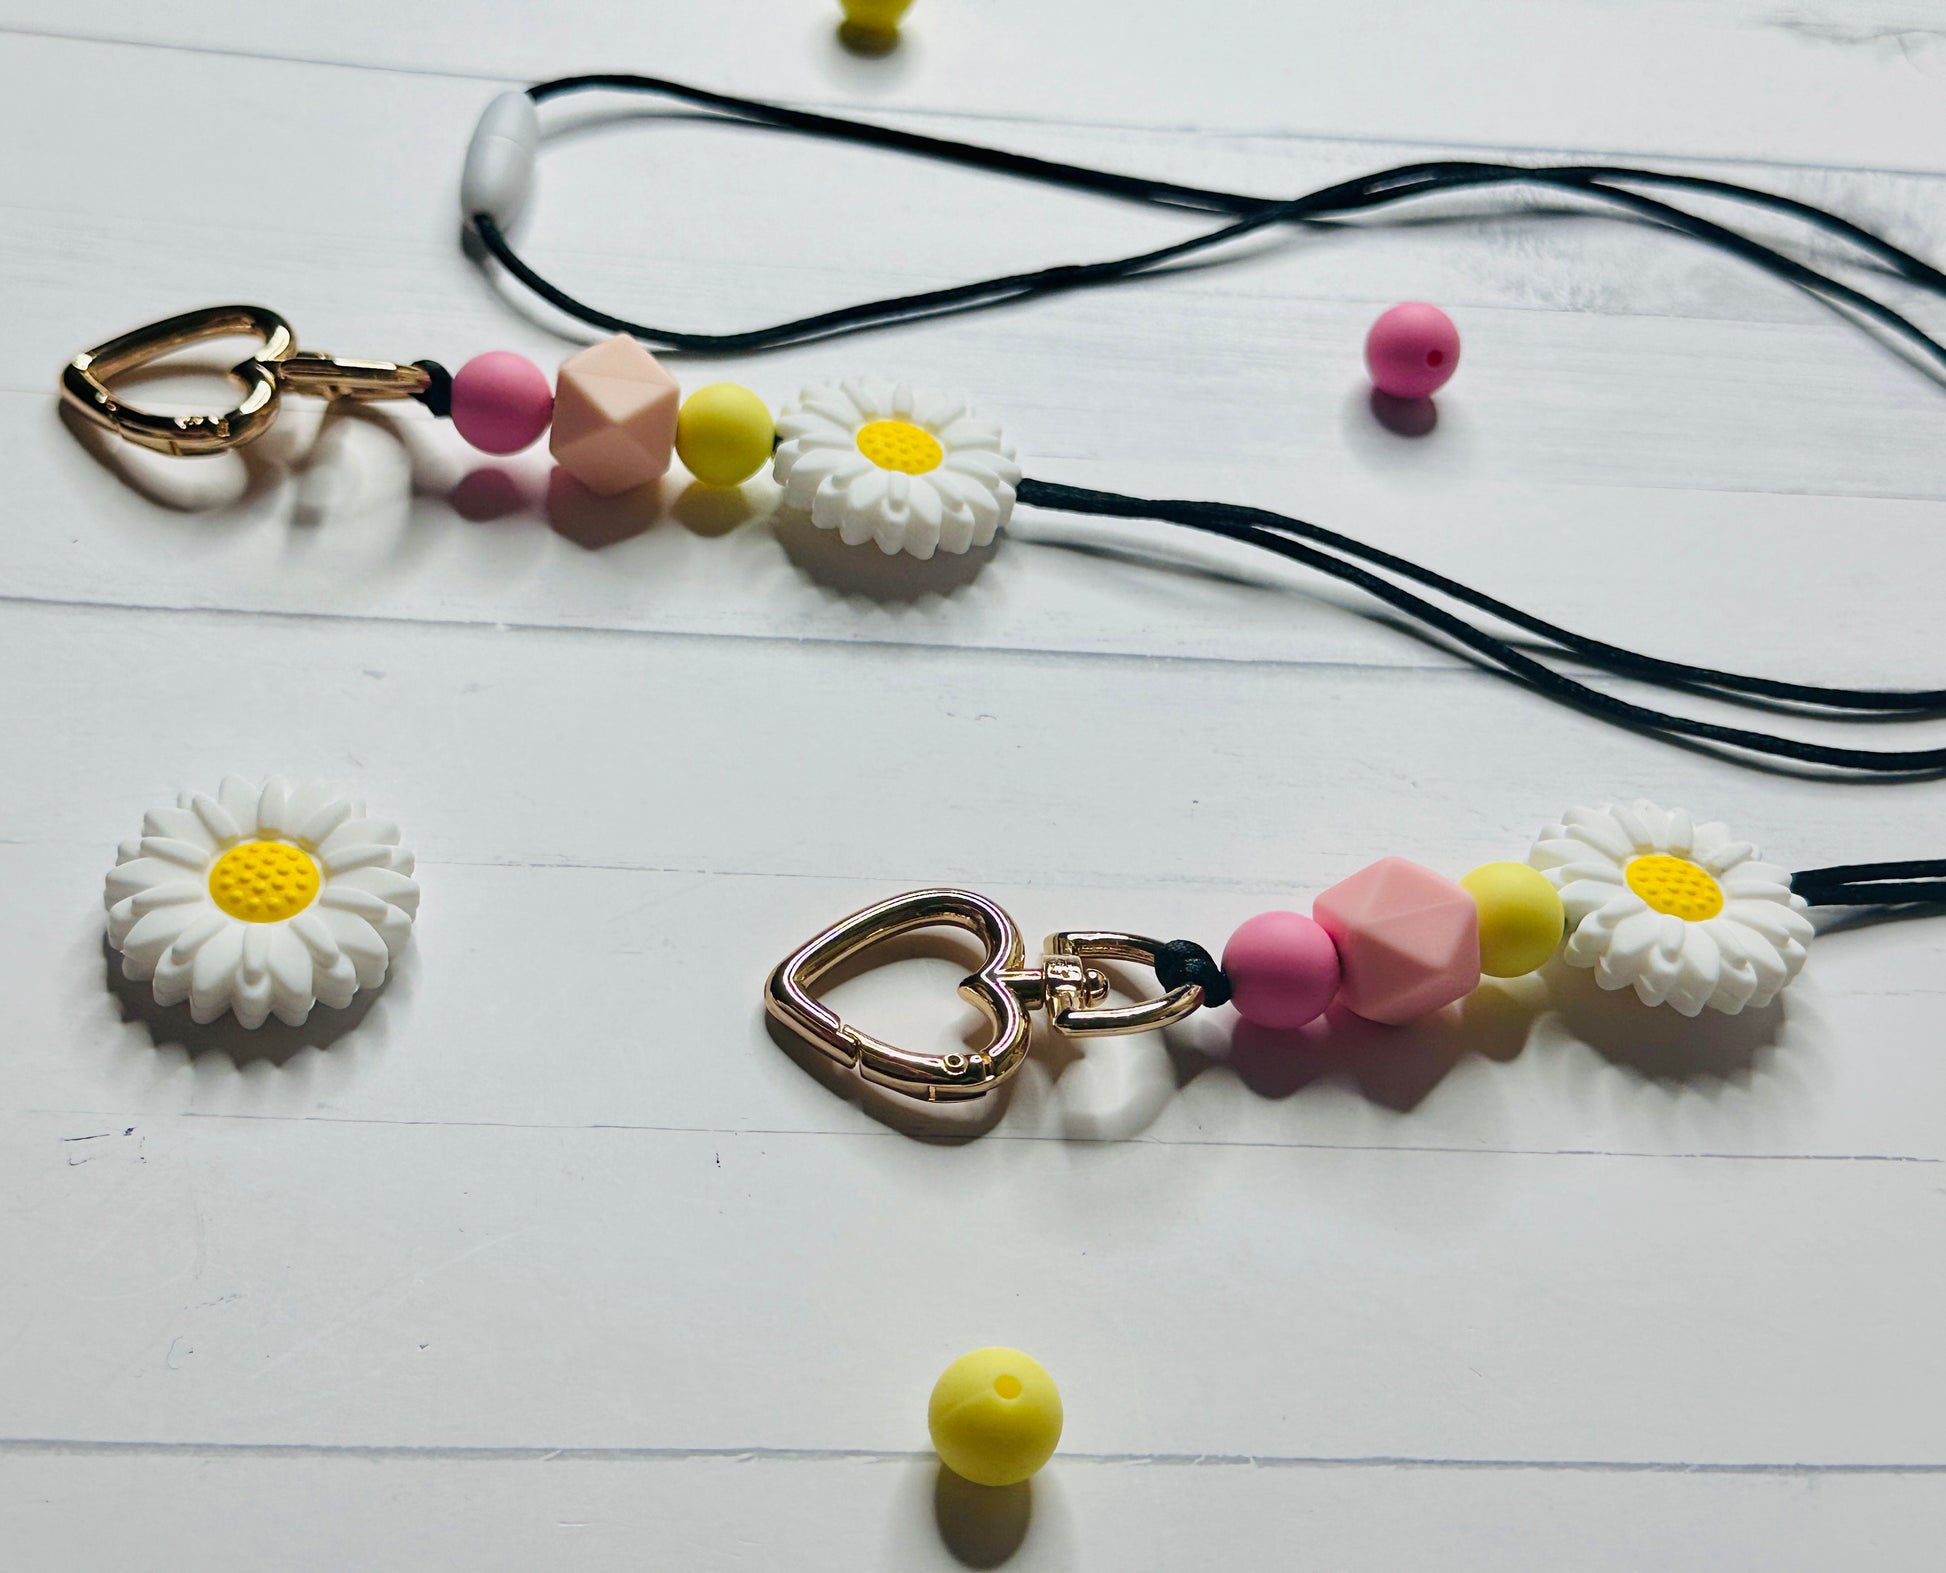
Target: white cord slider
column 499, row 168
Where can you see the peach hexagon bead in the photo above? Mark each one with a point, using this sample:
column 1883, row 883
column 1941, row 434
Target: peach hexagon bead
column 1408, row 940
column 614, row 416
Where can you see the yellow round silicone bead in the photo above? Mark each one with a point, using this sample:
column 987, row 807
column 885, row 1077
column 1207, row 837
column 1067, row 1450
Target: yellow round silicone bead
column 724, row 434
column 1520, row 917
column 875, row 16
column 995, row 1416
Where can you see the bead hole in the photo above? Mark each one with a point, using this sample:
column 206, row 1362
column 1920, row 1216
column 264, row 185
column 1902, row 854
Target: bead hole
column 1435, row 357
column 1007, row 1386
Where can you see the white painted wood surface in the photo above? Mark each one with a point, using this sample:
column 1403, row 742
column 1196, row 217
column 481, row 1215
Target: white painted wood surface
column 550, row 1257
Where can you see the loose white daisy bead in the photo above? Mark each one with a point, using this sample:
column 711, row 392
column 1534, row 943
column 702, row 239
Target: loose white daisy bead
column 1685, row 914
column 261, row 900
column 878, row 461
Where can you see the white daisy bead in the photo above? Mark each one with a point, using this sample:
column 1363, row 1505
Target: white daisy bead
column 261, row 900
column 882, row 462
column 1683, row 913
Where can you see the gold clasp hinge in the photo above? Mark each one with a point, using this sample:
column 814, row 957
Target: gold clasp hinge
column 1073, row 993
column 276, row 367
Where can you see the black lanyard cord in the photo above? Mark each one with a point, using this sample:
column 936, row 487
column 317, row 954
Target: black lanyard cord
column 1909, row 704
column 1287, row 537
column 1247, row 214
column 1327, row 551
column 1873, row 884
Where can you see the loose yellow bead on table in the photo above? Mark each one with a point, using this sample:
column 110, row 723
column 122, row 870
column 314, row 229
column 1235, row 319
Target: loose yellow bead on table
column 724, row 434
column 875, row 16
column 1520, row 917
column 995, row 1416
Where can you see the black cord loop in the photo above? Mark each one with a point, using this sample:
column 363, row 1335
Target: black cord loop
column 1327, row 551
column 1243, row 214
column 437, row 395
column 1183, row 961
column 1287, row 537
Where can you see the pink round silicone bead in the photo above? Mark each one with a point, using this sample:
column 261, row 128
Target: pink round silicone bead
column 501, row 401
column 1412, row 350
column 1283, row 969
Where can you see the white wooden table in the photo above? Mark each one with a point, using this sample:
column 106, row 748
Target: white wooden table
column 551, row 1258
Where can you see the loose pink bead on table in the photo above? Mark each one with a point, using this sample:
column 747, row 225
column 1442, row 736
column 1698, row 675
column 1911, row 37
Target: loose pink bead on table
column 501, row 401
column 1412, row 350
column 1283, row 970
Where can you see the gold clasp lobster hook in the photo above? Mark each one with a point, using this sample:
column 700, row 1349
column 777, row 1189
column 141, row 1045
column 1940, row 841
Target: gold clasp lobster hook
column 277, row 366
column 1073, row 993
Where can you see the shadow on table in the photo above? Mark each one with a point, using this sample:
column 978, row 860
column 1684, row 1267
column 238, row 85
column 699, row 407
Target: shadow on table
column 981, row 1526
column 892, row 579
column 593, row 522
column 712, row 512
column 210, row 484
column 1396, row 1068
column 320, row 457
column 1404, row 417
column 937, row 1122
column 274, row 1043
column 1847, row 920
column 1657, row 1043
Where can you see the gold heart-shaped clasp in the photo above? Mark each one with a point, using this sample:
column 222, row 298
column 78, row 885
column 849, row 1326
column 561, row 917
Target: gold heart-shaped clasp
column 277, row 366
column 85, row 380
column 934, row 1077
column 1073, row 993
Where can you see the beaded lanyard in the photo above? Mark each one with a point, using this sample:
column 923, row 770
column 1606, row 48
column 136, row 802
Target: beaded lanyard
column 875, row 460
column 1684, row 914
column 1678, row 911
column 904, row 469
column 498, row 180
column 896, row 437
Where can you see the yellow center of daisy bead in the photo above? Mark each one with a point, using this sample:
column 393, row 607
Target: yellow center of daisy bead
column 264, row 881
column 899, row 445
column 1675, row 886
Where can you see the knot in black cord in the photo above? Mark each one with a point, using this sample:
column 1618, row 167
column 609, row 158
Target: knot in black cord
column 1184, row 961
column 437, row 395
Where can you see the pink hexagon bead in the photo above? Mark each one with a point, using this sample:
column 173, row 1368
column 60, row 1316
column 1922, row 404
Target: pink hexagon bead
column 1283, row 969
column 614, row 416
column 1408, row 940
column 1412, row 350
column 501, row 401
